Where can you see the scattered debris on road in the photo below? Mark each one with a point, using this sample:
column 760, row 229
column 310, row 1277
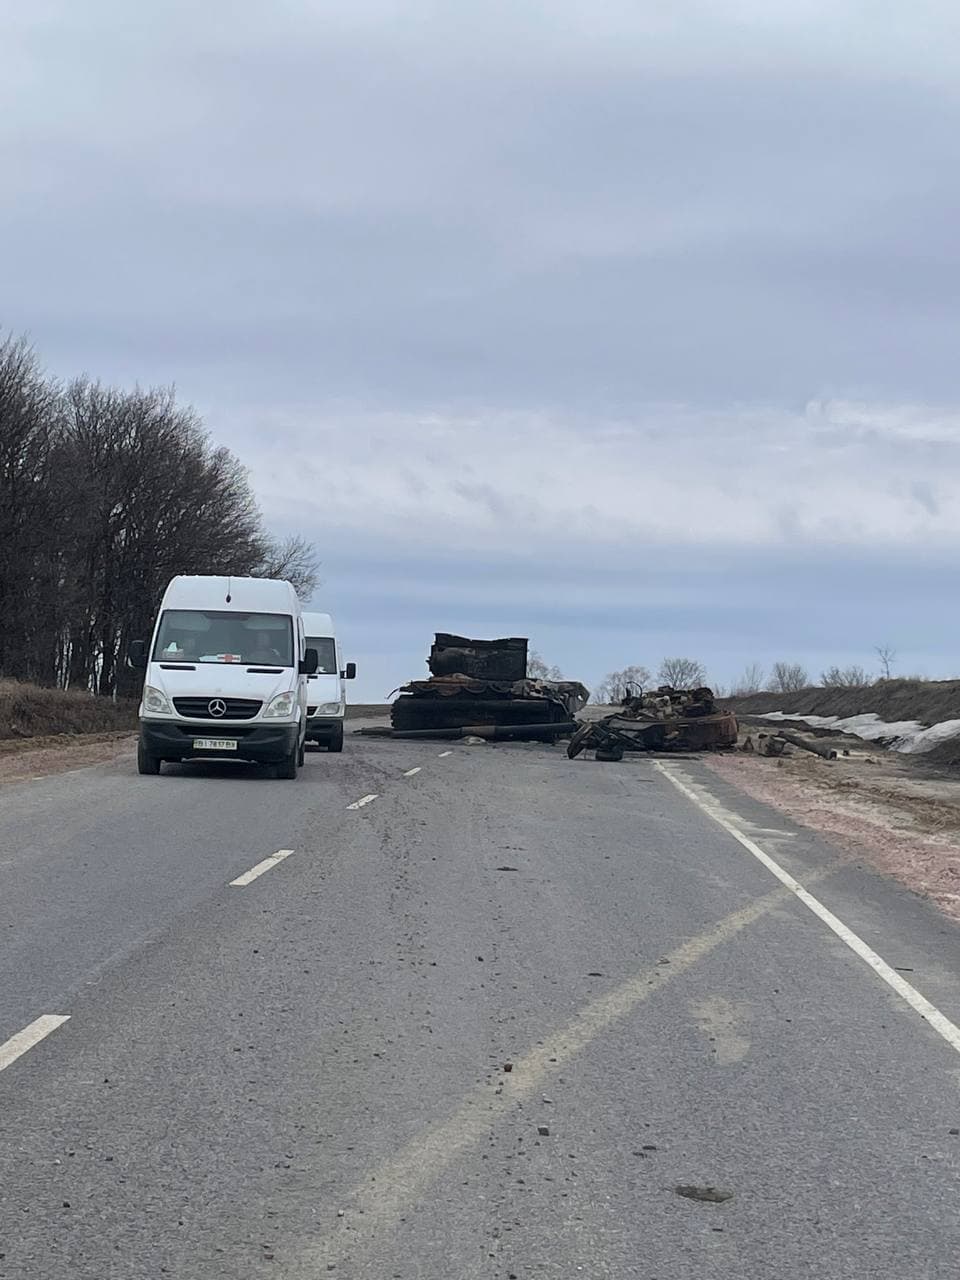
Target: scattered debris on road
column 667, row 720
column 767, row 744
column 478, row 733
column 707, row 1195
column 817, row 747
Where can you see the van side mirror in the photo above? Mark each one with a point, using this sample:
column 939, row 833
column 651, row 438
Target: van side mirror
column 349, row 672
column 311, row 660
column 137, row 655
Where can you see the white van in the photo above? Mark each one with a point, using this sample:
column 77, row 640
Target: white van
column 326, row 695
column 226, row 675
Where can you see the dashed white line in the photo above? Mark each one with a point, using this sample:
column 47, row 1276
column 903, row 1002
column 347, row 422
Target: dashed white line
column 919, row 1003
column 444, row 753
column 38, row 1030
column 260, row 868
column 358, row 804
column 411, row 772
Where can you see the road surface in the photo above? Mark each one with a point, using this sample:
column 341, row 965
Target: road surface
column 512, row 1016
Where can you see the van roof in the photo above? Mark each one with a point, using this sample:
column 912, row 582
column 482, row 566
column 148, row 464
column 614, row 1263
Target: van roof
column 246, row 595
column 318, row 624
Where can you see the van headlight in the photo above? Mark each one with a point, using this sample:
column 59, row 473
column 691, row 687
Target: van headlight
column 328, row 709
column 156, row 701
column 284, row 704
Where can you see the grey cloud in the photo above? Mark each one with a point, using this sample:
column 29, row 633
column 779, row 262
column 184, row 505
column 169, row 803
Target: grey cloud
column 533, row 233
column 924, row 496
column 644, row 236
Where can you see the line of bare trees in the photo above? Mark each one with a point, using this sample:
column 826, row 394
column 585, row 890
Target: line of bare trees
column 105, row 494
column 679, row 673
column 789, row 677
column 783, row 677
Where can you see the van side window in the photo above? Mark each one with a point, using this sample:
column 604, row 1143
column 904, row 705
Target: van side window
column 326, row 654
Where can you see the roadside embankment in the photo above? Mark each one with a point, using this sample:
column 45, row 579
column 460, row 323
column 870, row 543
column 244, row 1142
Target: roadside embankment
column 30, row 712
column 913, row 716
column 929, row 701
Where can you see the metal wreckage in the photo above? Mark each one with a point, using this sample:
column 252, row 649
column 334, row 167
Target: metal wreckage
column 481, row 689
column 667, row 720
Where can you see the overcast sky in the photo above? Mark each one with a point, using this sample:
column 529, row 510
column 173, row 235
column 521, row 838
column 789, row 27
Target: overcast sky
column 628, row 326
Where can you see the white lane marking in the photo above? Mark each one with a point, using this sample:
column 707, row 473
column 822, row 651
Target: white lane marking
column 261, row 867
column 919, row 1003
column 444, row 753
column 411, row 772
column 38, row 1030
column 358, row 804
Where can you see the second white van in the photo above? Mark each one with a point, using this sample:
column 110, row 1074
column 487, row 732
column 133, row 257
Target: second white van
column 326, row 692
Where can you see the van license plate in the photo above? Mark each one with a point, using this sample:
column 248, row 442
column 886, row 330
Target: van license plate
column 215, row 744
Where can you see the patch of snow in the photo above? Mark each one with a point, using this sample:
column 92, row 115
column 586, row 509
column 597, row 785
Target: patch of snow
column 932, row 737
column 909, row 736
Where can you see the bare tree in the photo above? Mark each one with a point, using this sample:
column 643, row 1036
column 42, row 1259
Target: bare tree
column 618, row 684
column 681, row 673
column 788, row 677
column 852, row 677
column 887, row 656
column 157, row 500
column 537, row 669
column 294, row 559
column 753, row 680
column 105, row 495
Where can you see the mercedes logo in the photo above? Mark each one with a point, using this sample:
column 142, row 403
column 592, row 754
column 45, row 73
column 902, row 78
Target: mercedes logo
column 217, row 707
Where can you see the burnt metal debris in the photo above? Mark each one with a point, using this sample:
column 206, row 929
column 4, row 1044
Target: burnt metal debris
column 666, row 720
column 482, row 684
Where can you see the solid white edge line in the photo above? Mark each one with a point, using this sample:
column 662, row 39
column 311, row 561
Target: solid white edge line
column 919, row 1003
column 411, row 772
column 38, row 1030
column 358, row 804
column 260, row 868
column 443, row 754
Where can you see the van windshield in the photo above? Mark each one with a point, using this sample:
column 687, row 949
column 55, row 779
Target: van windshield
column 198, row 635
column 326, row 652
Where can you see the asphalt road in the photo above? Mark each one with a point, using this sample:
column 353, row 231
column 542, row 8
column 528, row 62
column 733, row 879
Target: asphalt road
column 307, row 1074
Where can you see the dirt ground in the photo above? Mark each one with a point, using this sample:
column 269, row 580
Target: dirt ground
column 898, row 813
column 23, row 758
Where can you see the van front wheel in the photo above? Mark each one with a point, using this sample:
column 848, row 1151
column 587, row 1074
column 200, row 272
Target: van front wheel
column 287, row 768
column 146, row 763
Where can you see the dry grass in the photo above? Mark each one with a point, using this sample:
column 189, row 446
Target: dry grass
column 28, row 711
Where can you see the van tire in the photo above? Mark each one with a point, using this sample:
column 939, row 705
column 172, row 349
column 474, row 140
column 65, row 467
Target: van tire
column 147, row 764
column 302, row 754
column 336, row 742
column 287, row 768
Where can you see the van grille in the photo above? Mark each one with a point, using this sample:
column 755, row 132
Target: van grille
column 199, row 708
